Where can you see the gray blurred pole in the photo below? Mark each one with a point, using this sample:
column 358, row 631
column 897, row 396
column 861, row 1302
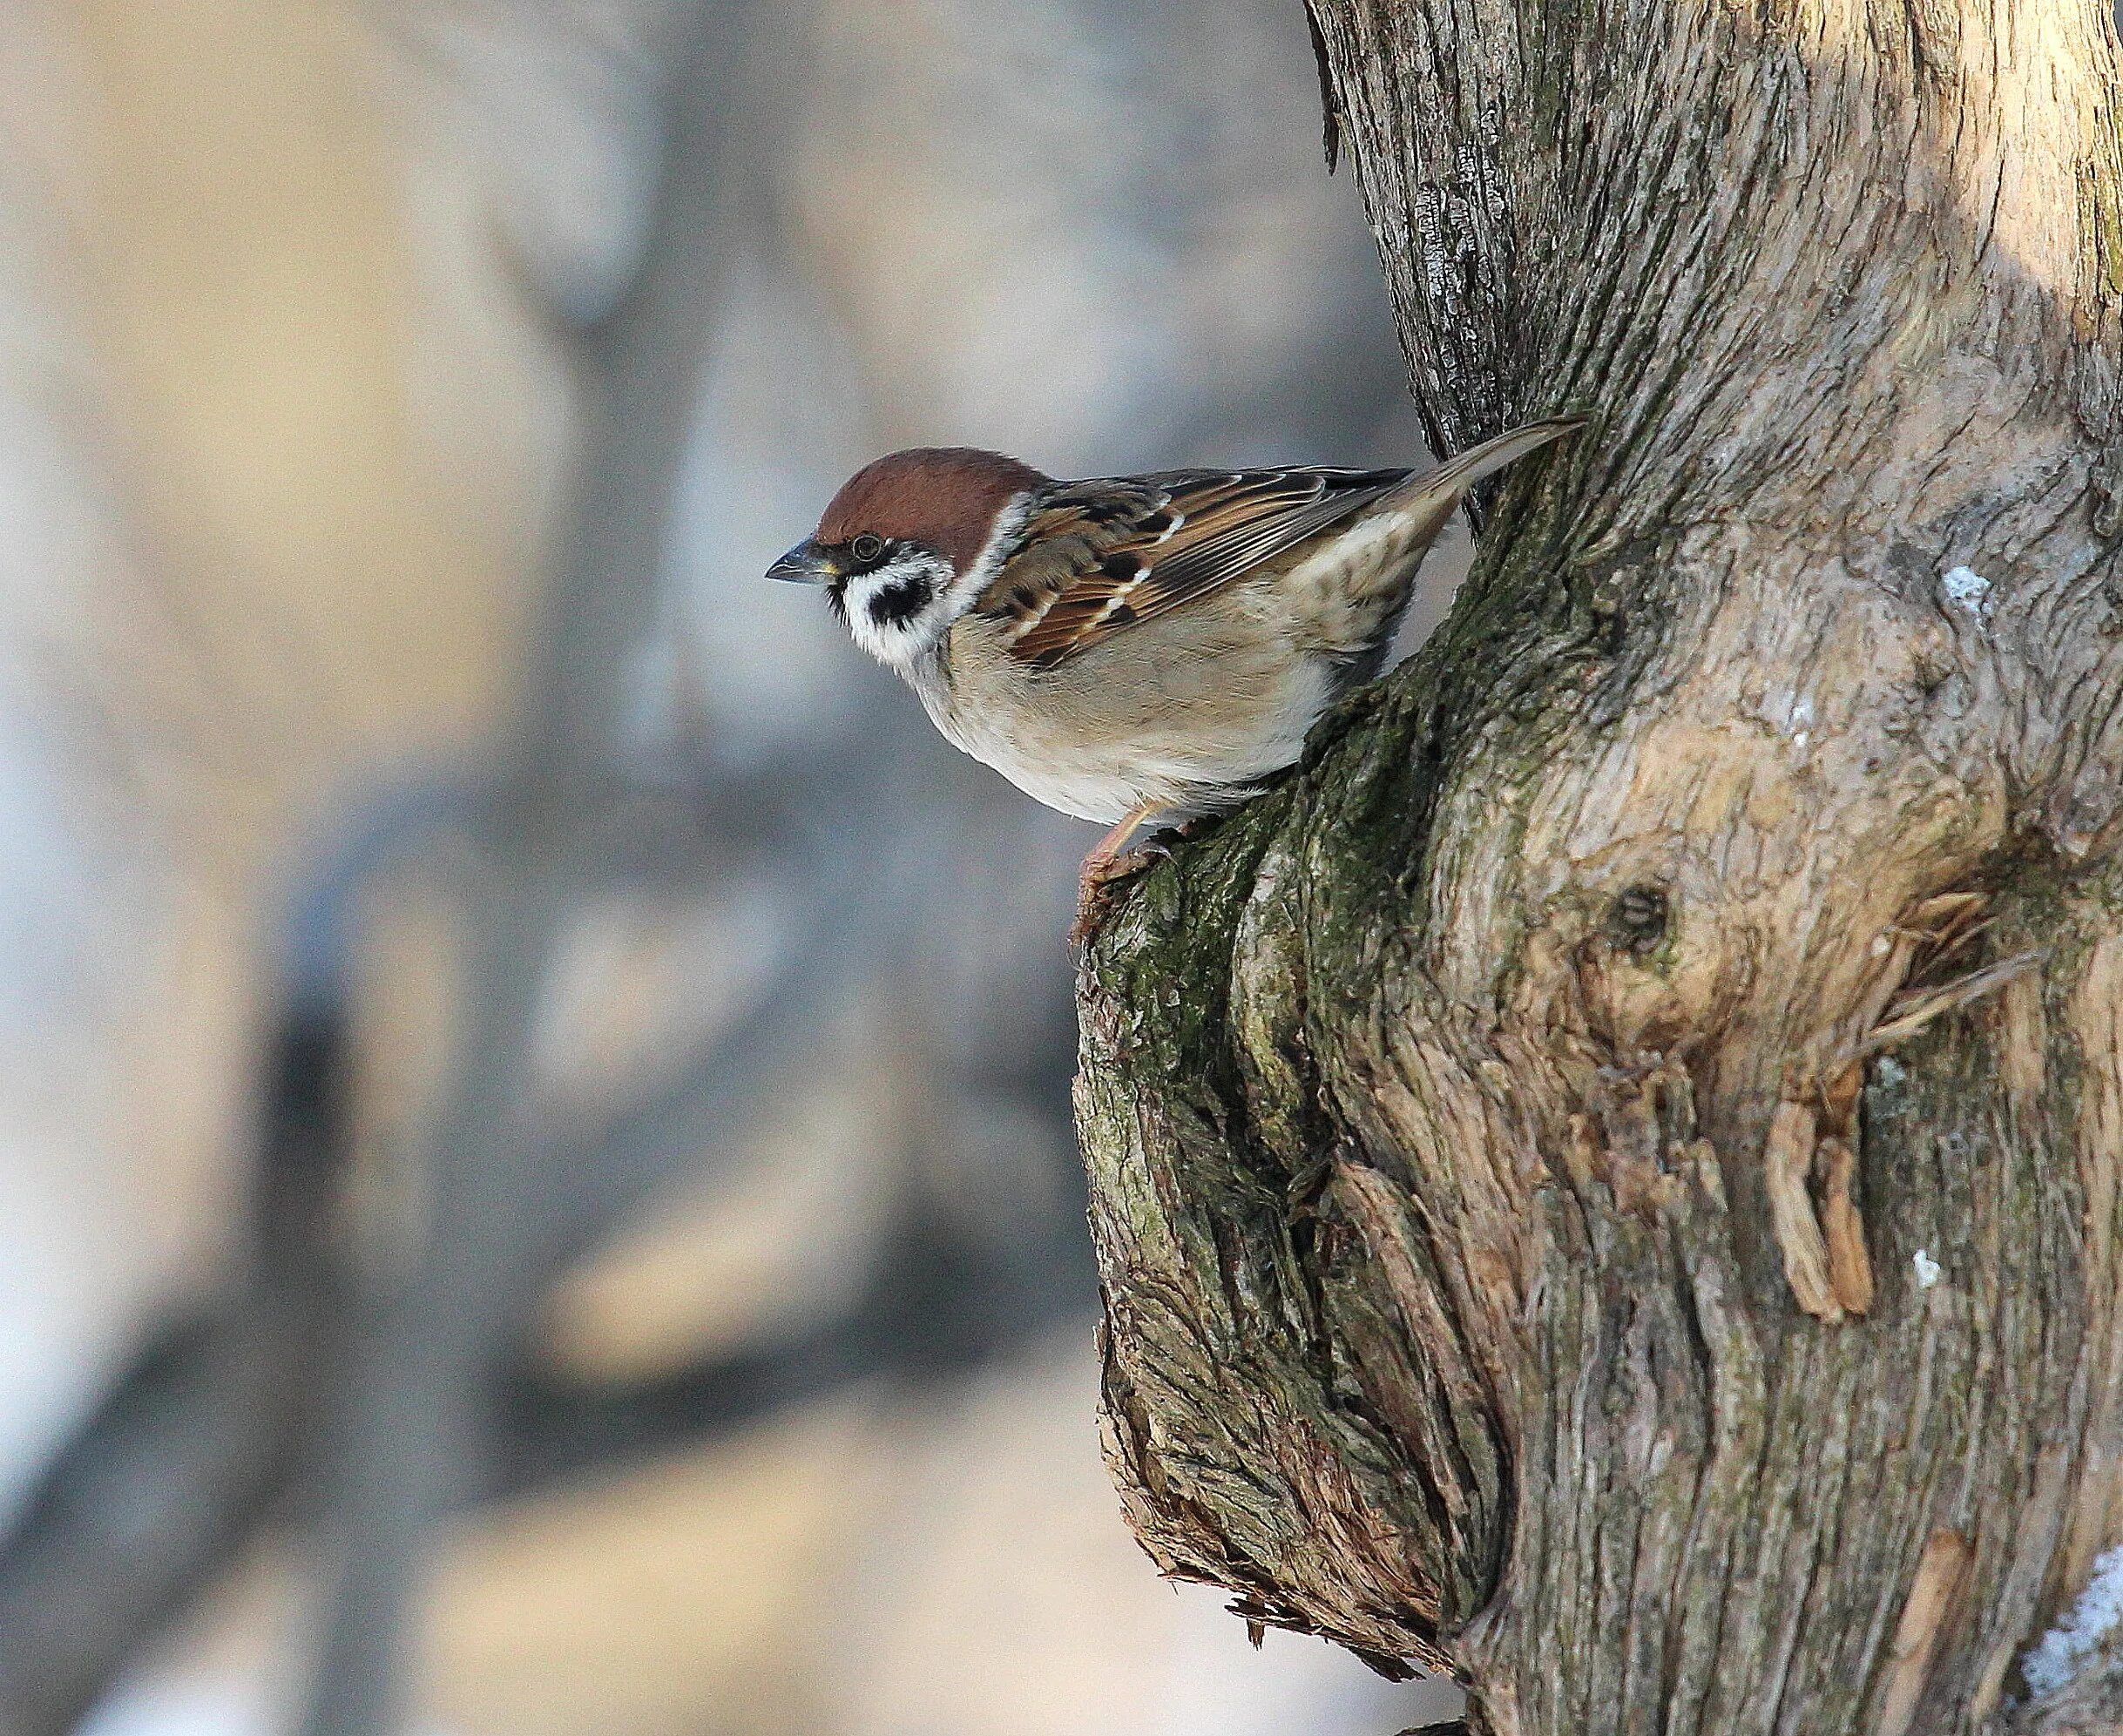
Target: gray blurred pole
column 412, row 1411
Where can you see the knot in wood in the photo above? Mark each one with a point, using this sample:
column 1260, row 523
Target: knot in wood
column 1637, row 920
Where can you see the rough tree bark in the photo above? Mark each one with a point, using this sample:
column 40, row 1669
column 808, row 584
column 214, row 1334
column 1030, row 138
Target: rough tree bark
column 1607, row 1179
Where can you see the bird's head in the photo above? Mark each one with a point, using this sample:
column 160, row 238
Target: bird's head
column 909, row 541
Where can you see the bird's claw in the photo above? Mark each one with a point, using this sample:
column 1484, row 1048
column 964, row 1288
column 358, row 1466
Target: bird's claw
column 1099, row 889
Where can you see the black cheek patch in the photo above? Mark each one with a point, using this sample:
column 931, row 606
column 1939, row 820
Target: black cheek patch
column 898, row 604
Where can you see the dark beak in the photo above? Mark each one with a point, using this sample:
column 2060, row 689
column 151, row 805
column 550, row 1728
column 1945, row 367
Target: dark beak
column 805, row 563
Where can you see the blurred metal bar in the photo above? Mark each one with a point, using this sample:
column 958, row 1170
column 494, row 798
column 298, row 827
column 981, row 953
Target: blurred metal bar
column 410, row 1433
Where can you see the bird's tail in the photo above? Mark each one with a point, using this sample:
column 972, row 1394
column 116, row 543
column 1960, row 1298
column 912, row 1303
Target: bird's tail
column 1357, row 611
column 1455, row 476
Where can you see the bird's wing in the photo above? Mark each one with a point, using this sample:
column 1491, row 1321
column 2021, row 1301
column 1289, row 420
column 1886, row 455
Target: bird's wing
column 1093, row 558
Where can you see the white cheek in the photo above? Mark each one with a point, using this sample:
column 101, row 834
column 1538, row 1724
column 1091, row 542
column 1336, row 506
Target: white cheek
column 899, row 639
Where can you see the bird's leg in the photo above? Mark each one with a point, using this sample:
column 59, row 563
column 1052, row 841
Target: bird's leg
column 1104, row 868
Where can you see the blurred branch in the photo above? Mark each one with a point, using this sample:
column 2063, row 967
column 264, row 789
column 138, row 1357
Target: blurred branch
column 196, row 1446
column 164, row 1483
column 193, row 1450
column 936, row 1304
column 410, row 1431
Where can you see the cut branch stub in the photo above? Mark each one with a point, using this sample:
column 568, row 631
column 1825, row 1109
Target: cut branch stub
column 1470, row 1217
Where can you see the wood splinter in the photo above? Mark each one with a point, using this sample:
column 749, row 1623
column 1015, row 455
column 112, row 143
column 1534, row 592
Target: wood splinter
column 1843, row 1227
column 1786, row 1161
column 1910, row 1011
column 1925, row 1615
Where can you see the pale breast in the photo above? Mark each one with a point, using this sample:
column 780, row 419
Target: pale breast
column 1188, row 713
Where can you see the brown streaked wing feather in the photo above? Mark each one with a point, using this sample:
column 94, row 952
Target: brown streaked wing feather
column 1064, row 542
column 1099, row 556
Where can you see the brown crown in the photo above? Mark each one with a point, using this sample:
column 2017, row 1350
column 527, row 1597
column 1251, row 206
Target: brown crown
column 946, row 497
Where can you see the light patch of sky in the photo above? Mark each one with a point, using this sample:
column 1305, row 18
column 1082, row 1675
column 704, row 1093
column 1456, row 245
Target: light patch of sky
column 63, row 887
column 195, row 1703
column 779, row 431
column 75, row 924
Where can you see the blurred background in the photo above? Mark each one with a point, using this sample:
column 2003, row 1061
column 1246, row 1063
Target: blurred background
column 534, row 1148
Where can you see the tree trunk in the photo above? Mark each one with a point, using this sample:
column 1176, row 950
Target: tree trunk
column 1607, row 1179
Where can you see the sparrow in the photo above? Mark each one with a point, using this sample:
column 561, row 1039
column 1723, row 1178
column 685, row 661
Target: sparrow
column 1128, row 647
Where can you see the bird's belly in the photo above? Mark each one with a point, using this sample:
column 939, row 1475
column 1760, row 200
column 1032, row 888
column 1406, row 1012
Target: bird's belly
column 1092, row 783
column 1181, row 746
column 1088, row 791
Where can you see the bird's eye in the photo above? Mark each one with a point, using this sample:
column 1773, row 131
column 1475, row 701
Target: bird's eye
column 867, row 547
